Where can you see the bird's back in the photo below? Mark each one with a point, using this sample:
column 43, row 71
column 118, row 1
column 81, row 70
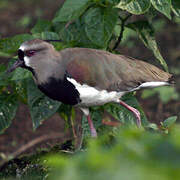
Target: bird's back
column 105, row 70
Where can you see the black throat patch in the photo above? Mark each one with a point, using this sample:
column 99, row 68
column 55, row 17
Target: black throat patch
column 61, row 90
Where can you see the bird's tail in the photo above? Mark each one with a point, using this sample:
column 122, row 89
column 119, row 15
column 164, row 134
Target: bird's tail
column 171, row 80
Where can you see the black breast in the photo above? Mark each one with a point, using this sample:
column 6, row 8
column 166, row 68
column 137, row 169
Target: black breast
column 61, row 90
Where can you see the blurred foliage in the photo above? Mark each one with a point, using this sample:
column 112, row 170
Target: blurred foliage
column 131, row 153
column 83, row 23
column 165, row 93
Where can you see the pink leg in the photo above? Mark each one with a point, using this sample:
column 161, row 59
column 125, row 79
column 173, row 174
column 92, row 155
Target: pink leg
column 92, row 128
column 134, row 111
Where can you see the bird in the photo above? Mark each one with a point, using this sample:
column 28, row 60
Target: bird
column 85, row 77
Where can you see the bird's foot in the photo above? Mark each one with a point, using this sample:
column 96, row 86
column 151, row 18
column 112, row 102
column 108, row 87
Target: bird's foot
column 134, row 111
column 137, row 115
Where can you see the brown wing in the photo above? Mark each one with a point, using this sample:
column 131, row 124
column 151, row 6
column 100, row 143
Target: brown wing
column 104, row 70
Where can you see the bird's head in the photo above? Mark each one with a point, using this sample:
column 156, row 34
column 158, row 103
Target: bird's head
column 32, row 54
column 39, row 57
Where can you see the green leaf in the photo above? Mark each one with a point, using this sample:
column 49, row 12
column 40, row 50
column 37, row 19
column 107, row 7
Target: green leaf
column 146, row 34
column 131, row 100
column 163, row 6
column 46, row 35
column 99, row 24
column 75, row 34
column 71, row 10
column 135, row 6
column 70, row 33
column 20, row 74
column 8, row 108
column 169, row 121
column 41, row 25
column 176, row 7
column 41, row 107
column 123, row 3
column 11, row 45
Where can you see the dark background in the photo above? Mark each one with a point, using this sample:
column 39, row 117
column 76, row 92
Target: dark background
column 19, row 16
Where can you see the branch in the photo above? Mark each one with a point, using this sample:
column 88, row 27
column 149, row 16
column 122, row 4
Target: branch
column 31, row 144
column 123, row 21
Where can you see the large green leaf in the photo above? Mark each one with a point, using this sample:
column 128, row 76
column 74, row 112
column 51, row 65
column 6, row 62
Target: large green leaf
column 71, row 10
column 74, row 34
column 11, row 44
column 41, row 25
column 176, row 7
column 146, row 34
column 93, row 29
column 135, row 6
column 41, row 107
column 8, row 108
column 163, row 6
column 99, row 24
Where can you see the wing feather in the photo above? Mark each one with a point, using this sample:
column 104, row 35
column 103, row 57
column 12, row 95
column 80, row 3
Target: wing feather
column 105, row 70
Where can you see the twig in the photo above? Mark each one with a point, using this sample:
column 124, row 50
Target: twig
column 123, row 21
column 53, row 40
column 68, row 23
column 31, row 144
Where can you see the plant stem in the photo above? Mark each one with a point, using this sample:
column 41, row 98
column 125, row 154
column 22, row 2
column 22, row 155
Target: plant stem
column 123, row 21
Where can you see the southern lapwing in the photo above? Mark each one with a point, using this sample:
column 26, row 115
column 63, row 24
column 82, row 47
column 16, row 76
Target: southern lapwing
column 84, row 77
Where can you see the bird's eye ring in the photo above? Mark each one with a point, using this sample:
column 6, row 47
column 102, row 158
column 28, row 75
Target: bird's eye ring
column 30, row 53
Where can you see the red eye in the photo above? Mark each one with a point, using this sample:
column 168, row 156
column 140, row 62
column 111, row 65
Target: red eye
column 30, row 53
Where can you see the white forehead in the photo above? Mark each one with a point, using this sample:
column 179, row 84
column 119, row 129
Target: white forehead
column 22, row 47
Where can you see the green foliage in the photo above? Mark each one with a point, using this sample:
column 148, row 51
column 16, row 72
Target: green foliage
column 10, row 45
column 8, row 108
column 41, row 26
column 136, row 7
column 81, row 23
column 146, row 34
column 163, row 6
column 124, row 115
column 71, row 10
column 169, row 122
column 132, row 154
column 41, row 107
column 165, row 93
column 99, row 25
column 176, row 7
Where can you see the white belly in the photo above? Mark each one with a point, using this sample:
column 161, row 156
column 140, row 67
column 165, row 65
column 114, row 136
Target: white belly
column 90, row 96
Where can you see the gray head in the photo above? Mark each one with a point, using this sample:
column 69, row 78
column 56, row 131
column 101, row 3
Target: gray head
column 39, row 57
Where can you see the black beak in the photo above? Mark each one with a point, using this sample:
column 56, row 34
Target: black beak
column 17, row 64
